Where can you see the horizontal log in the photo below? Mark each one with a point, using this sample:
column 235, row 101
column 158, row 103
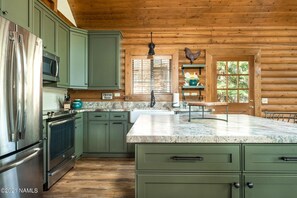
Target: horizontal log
column 292, row 108
column 282, row 101
column 279, row 94
column 283, row 60
column 277, row 81
column 279, row 87
column 279, row 73
column 279, row 67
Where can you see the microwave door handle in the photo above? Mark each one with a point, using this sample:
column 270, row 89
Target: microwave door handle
column 11, row 88
column 57, row 68
column 21, row 83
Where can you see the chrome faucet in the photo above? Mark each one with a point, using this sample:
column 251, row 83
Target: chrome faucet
column 153, row 99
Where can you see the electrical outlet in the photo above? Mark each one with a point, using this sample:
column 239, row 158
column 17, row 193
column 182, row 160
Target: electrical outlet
column 117, row 94
column 264, row 100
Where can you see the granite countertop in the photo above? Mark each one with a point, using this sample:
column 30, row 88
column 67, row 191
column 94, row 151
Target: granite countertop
column 239, row 129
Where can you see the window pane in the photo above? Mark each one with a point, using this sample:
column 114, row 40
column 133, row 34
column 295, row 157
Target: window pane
column 232, row 67
column 232, row 82
column 243, row 82
column 232, row 96
column 150, row 75
column 221, row 82
column 221, row 67
column 221, row 95
column 243, row 67
column 243, row 96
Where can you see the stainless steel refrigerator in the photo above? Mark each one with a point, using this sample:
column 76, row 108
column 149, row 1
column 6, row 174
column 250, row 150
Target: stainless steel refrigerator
column 21, row 152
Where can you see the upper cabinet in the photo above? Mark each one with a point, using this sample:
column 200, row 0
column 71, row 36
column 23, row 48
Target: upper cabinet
column 63, row 52
column 20, row 12
column 104, row 60
column 55, row 35
column 78, row 58
column 45, row 27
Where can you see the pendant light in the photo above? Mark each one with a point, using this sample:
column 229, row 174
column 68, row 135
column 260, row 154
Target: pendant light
column 151, row 46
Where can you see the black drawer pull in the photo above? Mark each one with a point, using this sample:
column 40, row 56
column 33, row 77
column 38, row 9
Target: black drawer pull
column 117, row 116
column 180, row 158
column 117, row 123
column 78, row 118
column 98, row 116
column 289, row 159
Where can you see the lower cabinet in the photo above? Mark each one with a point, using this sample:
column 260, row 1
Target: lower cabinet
column 97, row 139
column 106, row 133
column 216, row 170
column 270, row 185
column 188, row 185
column 79, row 130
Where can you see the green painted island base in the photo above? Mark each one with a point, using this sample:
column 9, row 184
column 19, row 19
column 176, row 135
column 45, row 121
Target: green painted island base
column 222, row 171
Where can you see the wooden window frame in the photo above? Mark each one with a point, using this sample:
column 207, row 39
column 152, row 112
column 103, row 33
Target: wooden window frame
column 130, row 54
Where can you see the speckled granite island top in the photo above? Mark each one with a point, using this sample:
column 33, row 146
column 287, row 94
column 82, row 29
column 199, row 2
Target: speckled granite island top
column 239, row 129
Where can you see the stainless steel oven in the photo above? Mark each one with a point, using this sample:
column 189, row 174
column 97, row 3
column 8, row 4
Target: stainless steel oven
column 60, row 156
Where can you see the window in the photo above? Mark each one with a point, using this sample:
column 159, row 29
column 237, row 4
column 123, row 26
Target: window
column 151, row 74
column 233, row 81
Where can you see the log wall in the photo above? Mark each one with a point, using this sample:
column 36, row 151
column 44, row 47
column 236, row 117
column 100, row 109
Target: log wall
column 277, row 46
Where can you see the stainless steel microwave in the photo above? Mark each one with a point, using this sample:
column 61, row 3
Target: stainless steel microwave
column 50, row 65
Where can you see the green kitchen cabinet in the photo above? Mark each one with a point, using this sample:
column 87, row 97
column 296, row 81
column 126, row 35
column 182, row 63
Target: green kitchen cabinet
column 104, row 60
column 48, row 32
column 270, row 185
column 106, row 134
column 117, row 136
column 78, row 58
column 63, row 52
column 188, row 185
column 37, row 20
column 20, row 12
column 79, row 130
column 97, row 137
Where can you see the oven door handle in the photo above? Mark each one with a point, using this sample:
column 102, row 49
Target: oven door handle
column 55, row 123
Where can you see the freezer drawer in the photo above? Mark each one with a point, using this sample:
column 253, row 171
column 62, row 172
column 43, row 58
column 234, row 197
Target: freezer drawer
column 21, row 174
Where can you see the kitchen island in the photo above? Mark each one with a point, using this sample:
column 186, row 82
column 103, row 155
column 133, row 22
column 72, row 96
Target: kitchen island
column 247, row 157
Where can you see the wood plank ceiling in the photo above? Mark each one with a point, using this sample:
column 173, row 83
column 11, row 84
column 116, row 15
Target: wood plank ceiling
column 127, row 14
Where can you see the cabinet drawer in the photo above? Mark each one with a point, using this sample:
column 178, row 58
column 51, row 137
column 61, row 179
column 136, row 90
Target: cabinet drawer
column 278, row 157
column 98, row 116
column 188, row 157
column 119, row 116
column 160, row 185
column 79, row 118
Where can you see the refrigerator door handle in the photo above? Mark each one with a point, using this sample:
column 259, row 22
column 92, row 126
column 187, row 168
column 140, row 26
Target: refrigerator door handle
column 20, row 161
column 11, row 86
column 21, row 90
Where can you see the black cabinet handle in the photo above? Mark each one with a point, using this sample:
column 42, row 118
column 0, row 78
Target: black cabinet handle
column 117, row 116
column 117, row 123
column 187, row 158
column 78, row 118
column 236, row 184
column 250, row 184
column 289, row 159
column 98, row 116
column 4, row 12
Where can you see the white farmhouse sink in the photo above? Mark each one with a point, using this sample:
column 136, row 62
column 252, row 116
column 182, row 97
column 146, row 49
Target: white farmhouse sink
column 134, row 114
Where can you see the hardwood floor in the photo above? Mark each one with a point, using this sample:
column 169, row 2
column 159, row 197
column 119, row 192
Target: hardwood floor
column 97, row 178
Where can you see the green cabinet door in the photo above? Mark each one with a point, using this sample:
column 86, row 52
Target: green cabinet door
column 18, row 11
column 104, row 60
column 117, row 136
column 97, row 137
column 63, row 53
column 48, row 33
column 162, row 185
column 270, row 186
column 79, row 128
column 78, row 58
column 37, row 18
